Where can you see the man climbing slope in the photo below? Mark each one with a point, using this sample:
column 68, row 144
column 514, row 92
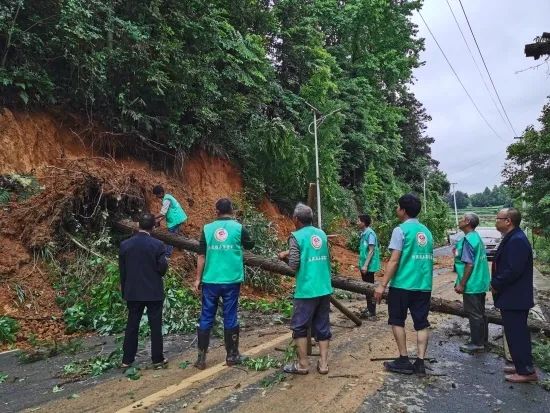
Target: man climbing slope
column 172, row 211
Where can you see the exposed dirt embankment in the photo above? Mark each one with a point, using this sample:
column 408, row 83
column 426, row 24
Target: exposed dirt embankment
column 75, row 183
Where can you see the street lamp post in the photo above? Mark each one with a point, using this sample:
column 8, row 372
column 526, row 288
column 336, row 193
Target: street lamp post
column 317, row 122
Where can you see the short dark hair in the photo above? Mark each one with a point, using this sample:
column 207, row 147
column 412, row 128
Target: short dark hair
column 224, row 206
column 515, row 216
column 158, row 190
column 411, row 204
column 365, row 219
column 147, row 221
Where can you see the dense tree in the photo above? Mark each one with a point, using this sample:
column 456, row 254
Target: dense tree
column 235, row 77
column 498, row 196
column 462, row 200
column 528, row 171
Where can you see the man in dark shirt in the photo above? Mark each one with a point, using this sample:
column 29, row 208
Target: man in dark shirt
column 512, row 288
column 220, row 270
column 142, row 264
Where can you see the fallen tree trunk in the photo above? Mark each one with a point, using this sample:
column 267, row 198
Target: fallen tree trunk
column 344, row 283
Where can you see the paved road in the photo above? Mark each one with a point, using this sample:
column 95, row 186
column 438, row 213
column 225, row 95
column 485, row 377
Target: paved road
column 472, row 384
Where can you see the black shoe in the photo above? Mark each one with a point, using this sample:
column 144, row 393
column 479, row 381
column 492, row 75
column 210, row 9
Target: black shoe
column 419, row 367
column 231, row 338
column 203, row 341
column 400, row 365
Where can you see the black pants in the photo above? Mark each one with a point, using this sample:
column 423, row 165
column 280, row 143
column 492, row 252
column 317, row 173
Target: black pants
column 474, row 307
column 371, row 304
column 519, row 339
column 154, row 315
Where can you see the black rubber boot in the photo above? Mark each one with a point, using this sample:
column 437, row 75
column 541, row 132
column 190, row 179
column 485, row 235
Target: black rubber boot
column 203, row 340
column 231, row 337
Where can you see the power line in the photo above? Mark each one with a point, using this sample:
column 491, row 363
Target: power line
column 459, row 80
column 486, row 68
column 477, row 66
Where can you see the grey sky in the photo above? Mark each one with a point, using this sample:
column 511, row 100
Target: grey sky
column 468, row 151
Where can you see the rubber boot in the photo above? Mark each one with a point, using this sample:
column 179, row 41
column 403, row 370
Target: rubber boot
column 203, row 340
column 231, row 337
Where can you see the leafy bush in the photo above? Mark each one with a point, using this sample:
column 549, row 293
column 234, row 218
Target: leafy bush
column 8, row 329
column 90, row 293
column 282, row 306
column 267, row 244
column 541, row 354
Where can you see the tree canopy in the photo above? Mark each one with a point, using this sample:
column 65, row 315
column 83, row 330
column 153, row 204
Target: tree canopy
column 235, row 78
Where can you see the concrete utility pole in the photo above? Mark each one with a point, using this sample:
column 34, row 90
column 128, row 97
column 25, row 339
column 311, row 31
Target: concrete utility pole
column 425, row 202
column 317, row 122
column 454, row 199
column 319, row 220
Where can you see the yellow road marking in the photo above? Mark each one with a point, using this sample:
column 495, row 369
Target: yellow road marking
column 187, row 382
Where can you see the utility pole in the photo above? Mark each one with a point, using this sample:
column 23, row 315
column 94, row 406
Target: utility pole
column 454, row 199
column 319, row 221
column 425, row 202
column 316, row 122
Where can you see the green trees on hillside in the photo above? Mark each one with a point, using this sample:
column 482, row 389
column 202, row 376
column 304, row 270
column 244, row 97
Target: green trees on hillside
column 233, row 77
column 528, row 172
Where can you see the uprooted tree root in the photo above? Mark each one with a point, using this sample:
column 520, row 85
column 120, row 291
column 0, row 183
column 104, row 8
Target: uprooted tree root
column 79, row 194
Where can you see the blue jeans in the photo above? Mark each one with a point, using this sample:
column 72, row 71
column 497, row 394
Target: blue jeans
column 211, row 294
column 170, row 248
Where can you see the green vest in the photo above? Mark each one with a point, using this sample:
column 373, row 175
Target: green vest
column 374, row 264
column 224, row 252
column 480, row 277
column 415, row 270
column 313, row 276
column 175, row 215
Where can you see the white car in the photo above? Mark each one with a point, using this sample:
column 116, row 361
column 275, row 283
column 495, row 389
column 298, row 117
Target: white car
column 490, row 236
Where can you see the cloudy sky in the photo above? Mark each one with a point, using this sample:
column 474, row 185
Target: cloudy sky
column 469, row 151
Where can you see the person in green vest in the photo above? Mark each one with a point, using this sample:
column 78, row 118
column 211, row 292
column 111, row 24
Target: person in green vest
column 308, row 255
column 409, row 274
column 369, row 260
column 220, row 272
column 473, row 281
column 172, row 211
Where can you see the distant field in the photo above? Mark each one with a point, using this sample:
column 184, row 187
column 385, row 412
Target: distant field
column 486, row 215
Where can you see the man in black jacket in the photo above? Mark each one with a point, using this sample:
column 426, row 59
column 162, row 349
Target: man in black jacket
column 512, row 288
column 142, row 264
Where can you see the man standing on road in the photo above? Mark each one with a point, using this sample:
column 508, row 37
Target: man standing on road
column 308, row 255
column 172, row 211
column 472, row 281
column 512, row 288
column 409, row 273
column 220, row 269
column 369, row 259
column 142, row 264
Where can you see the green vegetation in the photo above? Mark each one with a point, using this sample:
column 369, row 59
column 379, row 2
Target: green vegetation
column 267, row 244
column 498, row 196
column 234, row 77
column 93, row 366
column 261, row 363
column 89, row 292
column 541, row 354
column 528, row 176
column 17, row 187
column 3, row 377
column 281, row 306
column 8, row 330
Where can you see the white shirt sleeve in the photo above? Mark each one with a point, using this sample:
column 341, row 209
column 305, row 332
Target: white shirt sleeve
column 396, row 241
column 165, row 206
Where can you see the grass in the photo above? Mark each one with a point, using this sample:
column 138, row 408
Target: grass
column 8, row 329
